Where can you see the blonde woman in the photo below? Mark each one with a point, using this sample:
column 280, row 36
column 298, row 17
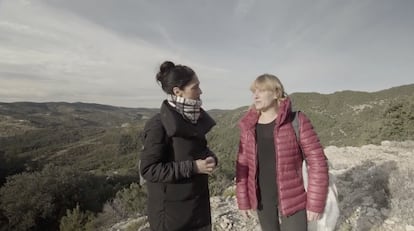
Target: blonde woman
column 269, row 162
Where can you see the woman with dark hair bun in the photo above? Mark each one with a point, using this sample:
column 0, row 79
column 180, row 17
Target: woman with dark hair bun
column 175, row 160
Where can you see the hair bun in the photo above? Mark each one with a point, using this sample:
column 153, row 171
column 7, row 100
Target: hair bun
column 171, row 75
column 166, row 67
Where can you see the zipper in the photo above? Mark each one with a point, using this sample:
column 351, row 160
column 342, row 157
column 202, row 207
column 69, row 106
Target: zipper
column 253, row 133
column 275, row 132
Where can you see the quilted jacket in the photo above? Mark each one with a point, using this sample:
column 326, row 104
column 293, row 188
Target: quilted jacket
column 291, row 193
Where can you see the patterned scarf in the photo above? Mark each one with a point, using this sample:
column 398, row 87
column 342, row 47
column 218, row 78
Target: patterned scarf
column 189, row 108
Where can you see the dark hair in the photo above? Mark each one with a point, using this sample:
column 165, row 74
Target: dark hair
column 171, row 75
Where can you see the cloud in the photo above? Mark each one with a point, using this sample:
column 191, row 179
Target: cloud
column 73, row 54
column 70, row 51
column 243, row 7
column 82, row 60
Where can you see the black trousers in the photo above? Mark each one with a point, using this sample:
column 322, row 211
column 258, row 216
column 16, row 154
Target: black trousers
column 269, row 220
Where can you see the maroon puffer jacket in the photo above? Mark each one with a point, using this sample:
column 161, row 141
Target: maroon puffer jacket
column 292, row 195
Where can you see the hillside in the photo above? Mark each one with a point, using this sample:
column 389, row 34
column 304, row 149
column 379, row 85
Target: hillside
column 345, row 118
column 86, row 135
column 358, row 118
column 74, row 153
column 99, row 145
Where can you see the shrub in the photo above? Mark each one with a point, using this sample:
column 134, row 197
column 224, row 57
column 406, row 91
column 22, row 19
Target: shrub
column 75, row 220
column 128, row 202
column 38, row 200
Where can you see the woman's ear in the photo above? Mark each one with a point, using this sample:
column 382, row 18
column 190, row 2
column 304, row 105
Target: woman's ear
column 275, row 96
column 279, row 94
column 177, row 91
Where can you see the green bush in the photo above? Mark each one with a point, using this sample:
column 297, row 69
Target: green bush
column 38, row 200
column 128, row 202
column 75, row 220
column 132, row 199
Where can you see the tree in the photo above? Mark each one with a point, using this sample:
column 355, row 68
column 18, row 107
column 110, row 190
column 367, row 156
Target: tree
column 38, row 200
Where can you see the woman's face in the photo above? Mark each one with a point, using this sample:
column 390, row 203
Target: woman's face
column 264, row 99
column 191, row 90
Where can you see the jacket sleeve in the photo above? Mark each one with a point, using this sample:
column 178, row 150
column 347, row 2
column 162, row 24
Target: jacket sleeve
column 154, row 164
column 318, row 177
column 242, row 171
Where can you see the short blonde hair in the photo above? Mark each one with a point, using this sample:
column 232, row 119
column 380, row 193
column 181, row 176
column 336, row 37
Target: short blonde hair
column 271, row 83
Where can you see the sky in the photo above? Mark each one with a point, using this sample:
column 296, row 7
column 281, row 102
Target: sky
column 109, row 51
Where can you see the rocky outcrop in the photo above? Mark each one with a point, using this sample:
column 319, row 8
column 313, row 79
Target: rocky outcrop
column 375, row 185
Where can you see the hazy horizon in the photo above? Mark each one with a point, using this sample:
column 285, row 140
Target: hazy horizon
column 207, row 108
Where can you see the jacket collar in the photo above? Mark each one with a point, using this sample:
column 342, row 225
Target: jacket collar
column 285, row 111
column 176, row 125
column 249, row 120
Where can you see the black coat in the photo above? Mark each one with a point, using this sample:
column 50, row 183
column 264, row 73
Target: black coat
column 178, row 199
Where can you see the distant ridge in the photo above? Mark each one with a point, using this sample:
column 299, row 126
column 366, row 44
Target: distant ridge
column 341, row 118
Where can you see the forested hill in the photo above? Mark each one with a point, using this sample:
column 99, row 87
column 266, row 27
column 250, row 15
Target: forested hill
column 357, row 118
column 50, row 151
column 347, row 118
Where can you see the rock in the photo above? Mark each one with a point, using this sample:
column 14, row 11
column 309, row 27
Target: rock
column 385, row 212
column 389, row 222
column 409, row 228
column 372, row 182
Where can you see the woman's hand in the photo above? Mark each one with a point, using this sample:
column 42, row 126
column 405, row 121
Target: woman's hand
column 246, row 214
column 312, row 216
column 205, row 166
